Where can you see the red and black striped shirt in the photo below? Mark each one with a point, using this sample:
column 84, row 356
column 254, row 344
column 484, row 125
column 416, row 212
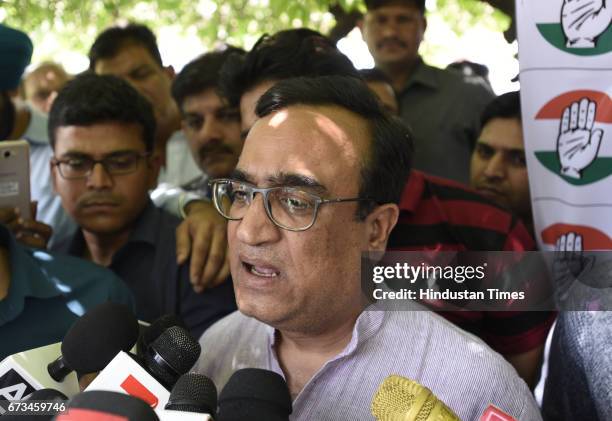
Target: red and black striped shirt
column 443, row 215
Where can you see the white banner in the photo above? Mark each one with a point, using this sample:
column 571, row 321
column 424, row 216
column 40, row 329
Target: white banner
column 565, row 54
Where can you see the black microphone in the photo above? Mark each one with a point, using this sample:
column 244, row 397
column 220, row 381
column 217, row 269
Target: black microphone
column 193, row 393
column 171, row 355
column 94, row 339
column 254, row 393
column 152, row 332
column 100, row 404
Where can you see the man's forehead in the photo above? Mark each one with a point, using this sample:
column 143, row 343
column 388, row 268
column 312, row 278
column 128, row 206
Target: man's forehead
column 394, row 8
column 501, row 145
column 128, row 57
column 204, row 101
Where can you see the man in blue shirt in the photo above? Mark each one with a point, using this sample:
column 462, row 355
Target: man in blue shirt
column 42, row 294
column 103, row 120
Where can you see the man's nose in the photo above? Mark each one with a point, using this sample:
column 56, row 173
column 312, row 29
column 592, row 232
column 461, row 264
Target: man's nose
column 99, row 178
column 256, row 228
column 210, row 131
column 495, row 167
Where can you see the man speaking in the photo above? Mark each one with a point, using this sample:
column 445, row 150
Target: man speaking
column 317, row 184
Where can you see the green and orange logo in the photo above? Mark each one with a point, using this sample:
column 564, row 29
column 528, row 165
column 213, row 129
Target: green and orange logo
column 584, row 27
column 582, row 117
column 567, row 237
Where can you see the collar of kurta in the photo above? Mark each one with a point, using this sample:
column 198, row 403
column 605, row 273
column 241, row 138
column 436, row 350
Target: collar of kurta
column 143, row 232
column 422, row 75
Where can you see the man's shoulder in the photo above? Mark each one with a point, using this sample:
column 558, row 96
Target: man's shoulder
column 474, row 221
column 73, row 275
column 446, row 359
column 448, row 79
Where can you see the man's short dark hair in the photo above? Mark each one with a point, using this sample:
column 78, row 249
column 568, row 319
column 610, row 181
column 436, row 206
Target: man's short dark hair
column 93, row 99
column 286, row 54
column 112, row 40
column 375, row 4
column 385, row 171
column 507, row 105
column 201, row 74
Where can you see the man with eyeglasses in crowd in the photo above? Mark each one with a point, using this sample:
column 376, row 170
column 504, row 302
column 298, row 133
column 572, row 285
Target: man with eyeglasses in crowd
column 318, row 183
column 103, row 120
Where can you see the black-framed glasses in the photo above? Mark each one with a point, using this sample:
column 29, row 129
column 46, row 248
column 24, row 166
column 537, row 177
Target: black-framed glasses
column 289, row 208
column 79, row 167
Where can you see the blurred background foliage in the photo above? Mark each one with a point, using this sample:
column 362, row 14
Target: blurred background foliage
column 75, row 23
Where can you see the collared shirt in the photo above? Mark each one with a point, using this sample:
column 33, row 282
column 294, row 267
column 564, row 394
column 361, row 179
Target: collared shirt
column 443, row 215
column 579, row 382
column 199, row 186
column 47, row 293
column 444, row 114
column 147, row 264
column 460, row 369
column 180, row 166
column 49, row 208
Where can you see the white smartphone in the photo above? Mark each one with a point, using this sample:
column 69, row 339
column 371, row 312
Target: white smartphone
column 15, row 176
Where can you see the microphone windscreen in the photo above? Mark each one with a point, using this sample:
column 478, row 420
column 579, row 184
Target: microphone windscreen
column 105, row 405
column 47, row 395
column 193, row 393
column 402, row 399
column 152, row 332
column 172, row 354
column 254, row 393
column 98, row 336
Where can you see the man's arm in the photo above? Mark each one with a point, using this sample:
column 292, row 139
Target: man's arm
column 202, row 235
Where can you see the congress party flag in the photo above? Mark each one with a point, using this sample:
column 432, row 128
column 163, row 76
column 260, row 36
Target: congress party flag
column 565, row 54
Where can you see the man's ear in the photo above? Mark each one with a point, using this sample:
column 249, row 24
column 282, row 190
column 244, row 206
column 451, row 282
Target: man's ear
column 359, row 24
column 380, row 222
column 169, row 70
column 154, row 164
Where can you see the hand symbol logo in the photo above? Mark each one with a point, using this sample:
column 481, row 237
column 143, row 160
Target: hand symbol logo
column 583, row 21
column 578, row 144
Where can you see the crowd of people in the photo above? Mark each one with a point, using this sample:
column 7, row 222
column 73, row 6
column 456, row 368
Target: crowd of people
column 241, row 193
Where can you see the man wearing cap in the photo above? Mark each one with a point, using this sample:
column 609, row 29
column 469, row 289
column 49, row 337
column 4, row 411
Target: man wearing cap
column 440, row 107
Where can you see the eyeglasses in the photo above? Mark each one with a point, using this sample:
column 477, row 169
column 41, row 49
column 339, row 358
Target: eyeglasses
column 289, row 208
column 80, row 167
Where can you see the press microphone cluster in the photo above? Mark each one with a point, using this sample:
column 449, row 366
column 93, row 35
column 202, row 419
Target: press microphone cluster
column 152, row 383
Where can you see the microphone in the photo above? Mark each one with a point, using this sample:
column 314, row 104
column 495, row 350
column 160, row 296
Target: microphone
column 124, row 375
column 171, row 355
column 152, row 332
column 193, row 393
column 402, row 399
column 25, row 372
column 94, row 340
column 254, row 393
column 105, row 405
